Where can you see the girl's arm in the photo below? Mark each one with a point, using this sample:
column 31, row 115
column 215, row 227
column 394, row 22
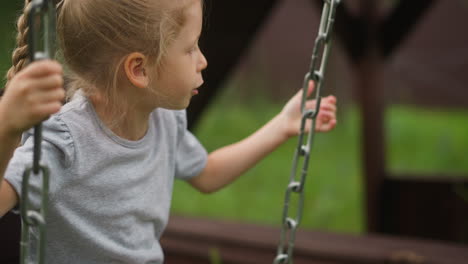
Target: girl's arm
column 31, row 96
column 226, row 164
column 8, row 197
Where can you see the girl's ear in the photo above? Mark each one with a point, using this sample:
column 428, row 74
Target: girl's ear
column 135, row 66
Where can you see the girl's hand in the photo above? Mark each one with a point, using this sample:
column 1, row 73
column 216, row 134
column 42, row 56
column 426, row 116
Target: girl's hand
column 32, row 96
column 291, row 113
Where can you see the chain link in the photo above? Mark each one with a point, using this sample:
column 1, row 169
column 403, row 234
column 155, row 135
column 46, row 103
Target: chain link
column 41, row 13
column 296, row 186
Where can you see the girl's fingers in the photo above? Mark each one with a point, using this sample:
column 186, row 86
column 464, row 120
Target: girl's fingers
column 48, row 82
column 324, row 105
column 326, row 114
column 53, row 95
column 329, row 107
column 326, row 126
column 325, row 118
column 31, row 86
column 45, row 110
column 311, row 88
column 310, row 104
column 322, row 125
column 331, row 99
column 41, row 68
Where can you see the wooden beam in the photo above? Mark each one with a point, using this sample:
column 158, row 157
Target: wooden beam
column 350, row 30
column 425, row 207
column 399, row 24
column 192, row 240
column 353, row 30
column 368, row 86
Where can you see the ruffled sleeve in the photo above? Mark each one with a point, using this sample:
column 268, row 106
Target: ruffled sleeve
column 57, row 155
column 191, row 155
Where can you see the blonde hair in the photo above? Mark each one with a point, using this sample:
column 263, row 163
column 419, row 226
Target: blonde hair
column 20, row 54
column 96, row 35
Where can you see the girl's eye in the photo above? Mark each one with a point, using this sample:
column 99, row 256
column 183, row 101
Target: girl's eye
column 193, row 49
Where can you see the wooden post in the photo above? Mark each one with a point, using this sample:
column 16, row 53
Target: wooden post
column 368, row 78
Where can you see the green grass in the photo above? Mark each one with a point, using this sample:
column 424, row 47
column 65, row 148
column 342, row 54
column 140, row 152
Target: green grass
column 333, row 188
column 418, row 140
column 427, row 141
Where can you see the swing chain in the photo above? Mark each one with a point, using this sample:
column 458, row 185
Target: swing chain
column 41, row 16
column 297, row 178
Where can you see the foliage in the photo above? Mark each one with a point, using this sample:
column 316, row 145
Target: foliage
column 422, row 141
column 333, row 188
column 8, row 16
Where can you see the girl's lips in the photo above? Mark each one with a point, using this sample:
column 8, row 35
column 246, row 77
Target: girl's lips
column 195, row 91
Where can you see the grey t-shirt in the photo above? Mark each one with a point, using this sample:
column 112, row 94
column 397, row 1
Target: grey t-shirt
column 109, row 197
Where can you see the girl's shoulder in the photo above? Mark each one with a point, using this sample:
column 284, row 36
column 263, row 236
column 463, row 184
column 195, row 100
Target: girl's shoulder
column 76, row 106
column 73, row 115
column 172, row 121
column 178, row 116
column 59, row 130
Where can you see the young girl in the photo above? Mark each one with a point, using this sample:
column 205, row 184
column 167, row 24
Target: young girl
column 115, row 149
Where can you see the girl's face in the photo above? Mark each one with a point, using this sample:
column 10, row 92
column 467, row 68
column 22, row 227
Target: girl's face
column 181, row 73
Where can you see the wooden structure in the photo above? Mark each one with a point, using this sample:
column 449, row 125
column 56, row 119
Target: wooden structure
column 369, row 38
column 408, row 205
column 423, row 207
column 194, row 241
column 417, row 206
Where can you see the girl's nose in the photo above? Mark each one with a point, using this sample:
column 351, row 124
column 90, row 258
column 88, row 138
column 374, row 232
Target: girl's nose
column 203, row 63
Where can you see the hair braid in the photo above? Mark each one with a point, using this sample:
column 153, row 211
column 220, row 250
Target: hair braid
column 20, row 54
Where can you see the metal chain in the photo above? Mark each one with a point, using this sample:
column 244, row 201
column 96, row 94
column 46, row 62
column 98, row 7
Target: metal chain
column 42, row 14
column 296, row 186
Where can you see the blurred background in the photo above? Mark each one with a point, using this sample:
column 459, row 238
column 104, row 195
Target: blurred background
column 422, row 93
column 422, row 88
